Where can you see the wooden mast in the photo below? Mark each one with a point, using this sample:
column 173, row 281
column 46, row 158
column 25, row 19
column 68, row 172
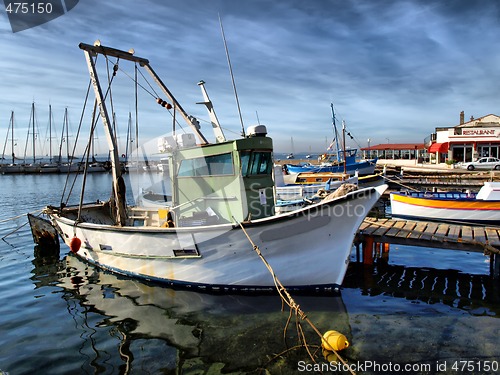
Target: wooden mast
column 118, row 185
column 124, row 55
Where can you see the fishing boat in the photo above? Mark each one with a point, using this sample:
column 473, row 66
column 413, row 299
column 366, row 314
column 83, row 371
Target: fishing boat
column 222, row 212
column 473, row 208
column 342, row 161
column 329, row 165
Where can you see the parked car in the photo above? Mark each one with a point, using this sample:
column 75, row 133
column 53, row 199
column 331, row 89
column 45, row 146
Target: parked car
column 482, row 163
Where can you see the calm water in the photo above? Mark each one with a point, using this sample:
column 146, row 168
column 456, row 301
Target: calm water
column 421, row 307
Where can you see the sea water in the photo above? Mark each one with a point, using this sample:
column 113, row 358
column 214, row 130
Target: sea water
column 419, row 310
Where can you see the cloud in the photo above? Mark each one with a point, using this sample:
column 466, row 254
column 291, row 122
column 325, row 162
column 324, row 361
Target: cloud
column 393, row 69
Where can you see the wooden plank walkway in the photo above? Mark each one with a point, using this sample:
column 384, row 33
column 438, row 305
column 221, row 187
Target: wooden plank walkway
column 431, row 234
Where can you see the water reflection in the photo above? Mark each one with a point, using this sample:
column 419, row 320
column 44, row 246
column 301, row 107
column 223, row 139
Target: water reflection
column 120, row 325
column 129, row 325
column 477, row 294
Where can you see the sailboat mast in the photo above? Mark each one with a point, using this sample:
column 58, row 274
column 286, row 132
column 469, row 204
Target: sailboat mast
column 335, row 134
column 67, row 133
column 50, row 133
column 62, row 139
column 34, row 138
column 343, row 146
column 13, row 142
column 12, row 136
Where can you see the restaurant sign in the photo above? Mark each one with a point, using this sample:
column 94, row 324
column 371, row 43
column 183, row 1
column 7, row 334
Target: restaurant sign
column 474, row 132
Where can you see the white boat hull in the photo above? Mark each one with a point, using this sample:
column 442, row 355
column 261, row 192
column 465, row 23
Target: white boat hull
column 474, row 211
column 307, row 248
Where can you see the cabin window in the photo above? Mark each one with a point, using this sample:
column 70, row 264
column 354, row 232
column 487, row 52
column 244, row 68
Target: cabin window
column 256, row 163
column 213, row 165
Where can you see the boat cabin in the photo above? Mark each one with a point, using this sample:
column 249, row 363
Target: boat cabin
column 223, row 182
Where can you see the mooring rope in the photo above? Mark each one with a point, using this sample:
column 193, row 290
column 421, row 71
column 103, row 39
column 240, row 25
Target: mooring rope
column 399, row 183
column 18, row 216
column 19, row 227
column 294, row 307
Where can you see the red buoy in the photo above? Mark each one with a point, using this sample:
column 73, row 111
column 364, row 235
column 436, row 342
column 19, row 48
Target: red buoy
column 74, row 244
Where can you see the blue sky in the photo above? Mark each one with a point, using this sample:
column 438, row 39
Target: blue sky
column 394, row 70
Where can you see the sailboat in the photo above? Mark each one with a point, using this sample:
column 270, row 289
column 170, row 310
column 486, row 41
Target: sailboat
column 51, row 166
column 343, row 161
column 222, row 214
column 68, row 166
column 13, row 167
column 32, row 167
column 291, row 155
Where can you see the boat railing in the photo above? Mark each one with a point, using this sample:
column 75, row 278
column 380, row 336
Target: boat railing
column 442, row 194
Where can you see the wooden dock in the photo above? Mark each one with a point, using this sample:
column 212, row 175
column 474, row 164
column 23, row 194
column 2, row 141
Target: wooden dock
column 431, row 234
column 375, row 235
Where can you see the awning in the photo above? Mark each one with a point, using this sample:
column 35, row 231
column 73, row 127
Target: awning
column 439, row 147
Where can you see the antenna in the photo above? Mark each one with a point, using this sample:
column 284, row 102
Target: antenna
column 232, row 76
column 257, row 114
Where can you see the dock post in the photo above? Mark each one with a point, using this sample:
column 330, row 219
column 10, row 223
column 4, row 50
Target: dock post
column 385, row 252
column 495, row 266
column 368, row 250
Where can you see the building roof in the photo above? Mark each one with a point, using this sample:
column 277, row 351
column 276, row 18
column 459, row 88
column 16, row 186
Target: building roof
column 395, row 146
column 489, row 120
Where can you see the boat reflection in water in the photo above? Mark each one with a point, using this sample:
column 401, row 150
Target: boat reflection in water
column 157, row 329
column 388, row 313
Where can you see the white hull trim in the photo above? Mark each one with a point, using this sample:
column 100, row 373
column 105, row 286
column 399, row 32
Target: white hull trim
column 410, row 211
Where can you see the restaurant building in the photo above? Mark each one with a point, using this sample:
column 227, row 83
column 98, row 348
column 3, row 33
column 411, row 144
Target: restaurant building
column 396, row 151
column 466, row 141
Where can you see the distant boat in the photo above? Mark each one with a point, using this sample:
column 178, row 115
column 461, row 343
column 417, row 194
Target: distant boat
column 481, row 208
column 221, row 193
column 290, row 189
column 365, row 167
column 343, row 161
column 291, row 154
column 51, row 166
column 33, row 167
column 13, row 167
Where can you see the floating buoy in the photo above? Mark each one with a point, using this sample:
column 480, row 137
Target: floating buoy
column 74, row 244
column 333, row 340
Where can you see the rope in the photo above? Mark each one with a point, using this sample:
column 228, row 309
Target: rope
column 18, row 216
column 14, row 231
column 294, row 307
column 399, row 183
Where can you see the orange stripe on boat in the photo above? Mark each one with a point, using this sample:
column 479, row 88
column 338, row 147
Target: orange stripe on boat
column 449, row 204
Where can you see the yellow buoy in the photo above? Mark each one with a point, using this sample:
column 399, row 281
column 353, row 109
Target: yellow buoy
column 333, row 340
